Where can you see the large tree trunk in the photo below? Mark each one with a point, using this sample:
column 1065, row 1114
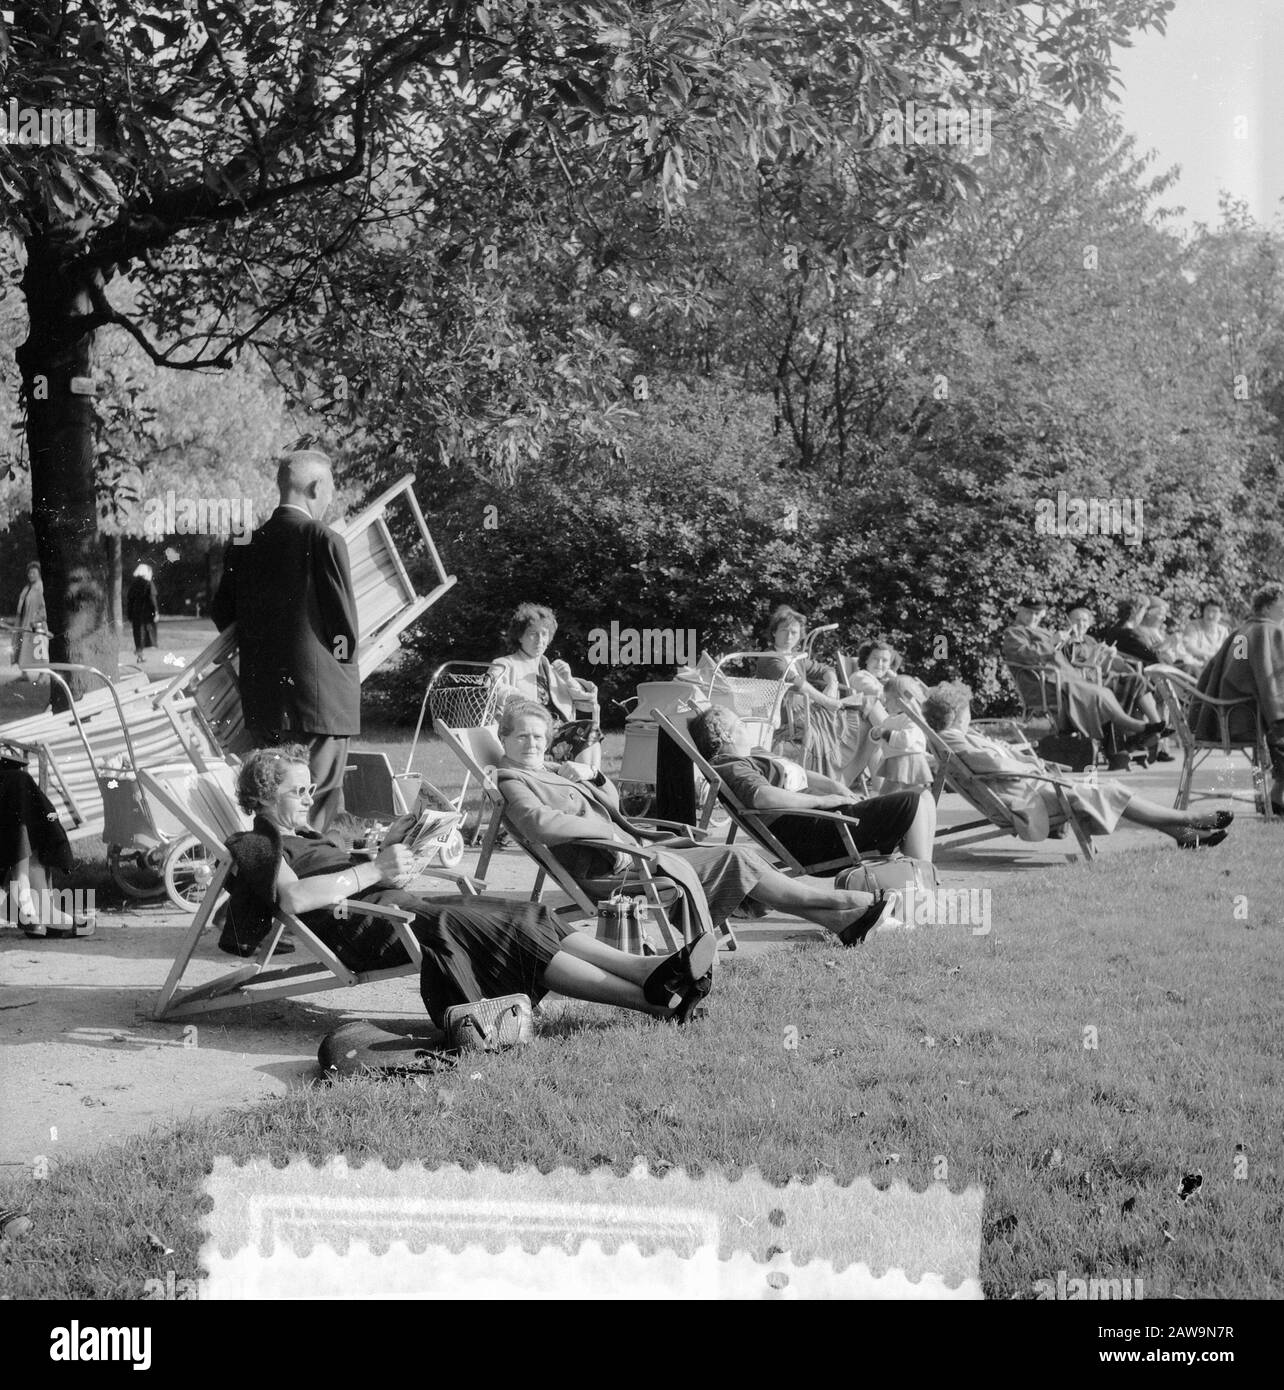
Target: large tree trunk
column 115, row 585
column 61, row 431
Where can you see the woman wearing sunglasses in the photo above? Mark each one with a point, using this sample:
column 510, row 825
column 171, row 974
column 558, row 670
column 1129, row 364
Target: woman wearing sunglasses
column 473, row 949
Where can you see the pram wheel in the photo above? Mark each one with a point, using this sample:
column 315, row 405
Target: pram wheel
column 452, row 850
column 188, row 871
column 136, row 872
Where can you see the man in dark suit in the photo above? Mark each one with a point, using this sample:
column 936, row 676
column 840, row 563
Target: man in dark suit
column 289, row 592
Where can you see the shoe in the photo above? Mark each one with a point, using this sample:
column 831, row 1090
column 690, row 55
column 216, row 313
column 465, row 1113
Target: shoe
column 1260, row 806
column 1164, row 756
column 883, row 912
column 683, row 972
column 81, row 926
column 691, row 1006
column 1200, row 839
column 1118, row 762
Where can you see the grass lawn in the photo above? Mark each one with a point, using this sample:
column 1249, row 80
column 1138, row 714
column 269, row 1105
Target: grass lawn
column 1118, row 1030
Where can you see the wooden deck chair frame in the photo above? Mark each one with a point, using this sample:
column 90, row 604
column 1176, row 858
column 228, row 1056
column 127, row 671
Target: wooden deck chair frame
column 662, row 894
column 977, row 789
column 756, row 824
column 254, row 981
column 376, row 565
column 1180, row 695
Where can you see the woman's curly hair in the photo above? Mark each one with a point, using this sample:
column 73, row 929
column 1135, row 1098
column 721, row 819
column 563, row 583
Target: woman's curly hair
column 262, row 773
column 944, row 703
column 523, row 617
column 712, row 730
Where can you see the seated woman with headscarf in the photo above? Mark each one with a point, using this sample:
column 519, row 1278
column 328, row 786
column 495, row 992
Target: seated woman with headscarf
column 837, row 736
column 473, row 949
column 527, row 672
column 1098, row 808
column 904, row 821
column 563, row 806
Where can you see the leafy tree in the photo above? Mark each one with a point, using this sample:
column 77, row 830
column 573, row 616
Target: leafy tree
column 243, row 144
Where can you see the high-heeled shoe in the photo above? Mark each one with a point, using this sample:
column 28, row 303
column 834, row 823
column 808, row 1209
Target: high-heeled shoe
column 689, row 1008
column 1200, row 839
column 883, row 910
column 668, row 984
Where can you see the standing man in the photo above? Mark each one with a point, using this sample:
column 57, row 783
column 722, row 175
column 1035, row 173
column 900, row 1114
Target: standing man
column 289, row 592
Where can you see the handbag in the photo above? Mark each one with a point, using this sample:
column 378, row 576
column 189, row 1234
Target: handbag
column 490, row 1024
column 621, row 922
column 892, row 871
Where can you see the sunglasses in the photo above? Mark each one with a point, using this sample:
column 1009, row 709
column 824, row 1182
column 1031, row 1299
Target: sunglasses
column 309, row 790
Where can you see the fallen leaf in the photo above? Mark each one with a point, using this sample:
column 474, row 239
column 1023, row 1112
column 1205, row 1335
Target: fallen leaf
column 1128, row 1205
column 1190, row 1185
column 956, row 1040
column 955, row 970
column 928, row 1042
column 158, row 1244
column 1017, row 1114
column 891, row 1158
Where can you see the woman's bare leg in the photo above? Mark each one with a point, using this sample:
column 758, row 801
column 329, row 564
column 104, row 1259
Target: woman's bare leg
column 921, row 835
column 567, row 973
column 815, row 899
column 1165, row 818
column 622, row 964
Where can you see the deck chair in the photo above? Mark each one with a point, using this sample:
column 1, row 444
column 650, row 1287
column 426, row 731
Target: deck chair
column 980, row 791
column 205, row 805
column 757, row 824
column 386, row 605
column 1181, row 698
column 479, row 752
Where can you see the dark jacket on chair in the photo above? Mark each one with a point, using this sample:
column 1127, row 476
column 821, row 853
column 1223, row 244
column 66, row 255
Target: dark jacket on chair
column 1249, row 666
column 289, row 592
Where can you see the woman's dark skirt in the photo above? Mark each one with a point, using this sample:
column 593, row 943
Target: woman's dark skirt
column 474, row 948
column 29, row 825
column 884, row 823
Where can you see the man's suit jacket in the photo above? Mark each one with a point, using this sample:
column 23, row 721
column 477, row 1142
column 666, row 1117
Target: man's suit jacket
column 289, row 592
column 1257, row 675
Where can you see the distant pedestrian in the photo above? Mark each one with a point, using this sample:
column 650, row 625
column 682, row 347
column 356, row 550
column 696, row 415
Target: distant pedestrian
column 290, row 594
column 31, row 641
column 141, row 609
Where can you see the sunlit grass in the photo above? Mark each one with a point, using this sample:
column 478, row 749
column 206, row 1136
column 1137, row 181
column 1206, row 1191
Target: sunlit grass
column 923, row 1047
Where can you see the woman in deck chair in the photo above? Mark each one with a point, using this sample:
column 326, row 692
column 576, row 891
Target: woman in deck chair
column 527, row 672
column 559, row 806
column 1098, row 809
column 903, row 821
column 472, row 950
column 837, row 734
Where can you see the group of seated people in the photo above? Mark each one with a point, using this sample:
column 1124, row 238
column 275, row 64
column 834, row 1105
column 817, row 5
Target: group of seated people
column 556, row 794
